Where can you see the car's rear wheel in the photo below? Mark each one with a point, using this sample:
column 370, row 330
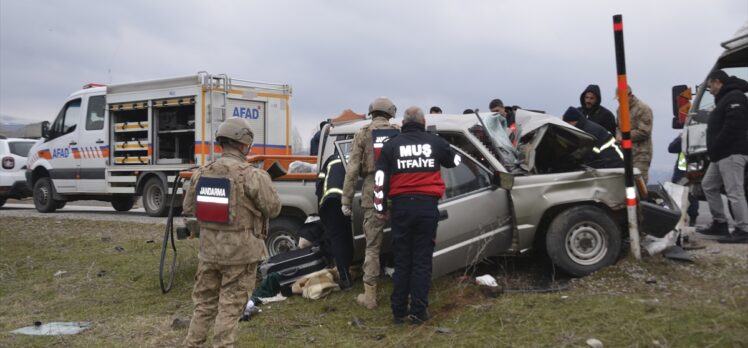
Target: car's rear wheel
column 283, row 235
column 43, row 193
column 123, row 202
column 582, row 240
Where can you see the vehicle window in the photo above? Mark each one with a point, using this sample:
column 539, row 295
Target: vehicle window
column 465, row 178
column 344, row 149
column 706, row 104
column 95, row 115
column 20, row 148
column 67, row 119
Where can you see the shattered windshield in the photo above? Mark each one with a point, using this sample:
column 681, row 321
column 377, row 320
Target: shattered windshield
column 495, row 125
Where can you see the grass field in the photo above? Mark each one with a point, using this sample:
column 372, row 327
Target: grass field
column 110, row 278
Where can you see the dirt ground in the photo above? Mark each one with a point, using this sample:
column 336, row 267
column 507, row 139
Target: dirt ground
column 106, row 273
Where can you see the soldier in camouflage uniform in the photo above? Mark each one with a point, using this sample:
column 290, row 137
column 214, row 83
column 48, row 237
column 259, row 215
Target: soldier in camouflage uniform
column 233, row 202
column 641, row 134
column 361, row 163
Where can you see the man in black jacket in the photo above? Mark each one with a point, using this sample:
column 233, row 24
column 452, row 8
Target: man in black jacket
column 408, row 172
column 727, row 147
column 593, row 111
column 314, row 143
column 606, row 154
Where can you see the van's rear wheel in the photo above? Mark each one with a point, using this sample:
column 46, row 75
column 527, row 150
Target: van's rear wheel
column 154, row 198
column 123, row 202
column 582, row 240
column 2, row 201
column 43, row 193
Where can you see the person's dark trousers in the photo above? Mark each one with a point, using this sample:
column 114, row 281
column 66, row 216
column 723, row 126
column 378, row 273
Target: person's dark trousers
column 413, row 220
column 338, row 232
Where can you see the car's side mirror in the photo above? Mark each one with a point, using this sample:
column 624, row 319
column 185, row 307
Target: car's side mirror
column 45, row 129
column 503, row 180
column 681, row 97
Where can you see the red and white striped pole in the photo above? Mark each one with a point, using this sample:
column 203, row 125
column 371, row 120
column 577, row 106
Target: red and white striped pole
column 625, row 126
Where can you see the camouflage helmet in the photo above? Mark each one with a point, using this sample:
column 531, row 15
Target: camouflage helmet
column 236, row 129
column 383, row 104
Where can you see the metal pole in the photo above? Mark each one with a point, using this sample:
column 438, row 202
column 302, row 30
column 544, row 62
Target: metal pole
column 625, row 126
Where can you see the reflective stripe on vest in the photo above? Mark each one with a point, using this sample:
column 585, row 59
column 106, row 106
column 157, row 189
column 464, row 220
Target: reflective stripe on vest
column 330, row 191
column 682, row 161
column 610, row 143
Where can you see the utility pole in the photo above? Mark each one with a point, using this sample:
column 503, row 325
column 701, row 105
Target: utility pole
column 623, row 102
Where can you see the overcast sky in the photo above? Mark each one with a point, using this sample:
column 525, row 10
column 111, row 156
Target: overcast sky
column 342, row 54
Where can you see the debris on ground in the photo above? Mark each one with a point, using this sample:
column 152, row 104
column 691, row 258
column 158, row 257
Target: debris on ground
column 594, row 343
column 357, row 323
column 60, row 273
column 53, row 328
column 486, row 280
column 443, row 330
column 180, row 323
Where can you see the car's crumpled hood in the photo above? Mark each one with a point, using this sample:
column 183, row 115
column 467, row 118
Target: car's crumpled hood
column 557, row 140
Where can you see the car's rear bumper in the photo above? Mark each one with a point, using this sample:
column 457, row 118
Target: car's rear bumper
column 660, row 213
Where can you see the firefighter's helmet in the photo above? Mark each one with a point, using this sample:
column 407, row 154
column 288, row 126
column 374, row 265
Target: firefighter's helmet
column 237, row 129
column 383, row 104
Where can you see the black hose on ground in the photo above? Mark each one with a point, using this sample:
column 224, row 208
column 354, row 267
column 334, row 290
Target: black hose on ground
column 169, row 235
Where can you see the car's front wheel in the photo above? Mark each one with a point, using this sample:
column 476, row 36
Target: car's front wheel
column 582, row 240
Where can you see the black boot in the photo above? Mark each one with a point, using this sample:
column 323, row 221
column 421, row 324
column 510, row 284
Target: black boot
column 715, row 229
column 738, row 236
column 345, row 279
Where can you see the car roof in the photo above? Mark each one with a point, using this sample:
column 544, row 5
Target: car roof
column 441, row 121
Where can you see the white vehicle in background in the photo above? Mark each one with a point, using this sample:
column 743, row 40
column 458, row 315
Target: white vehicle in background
column 118, row 142
column 13, row 154
column 692, row 117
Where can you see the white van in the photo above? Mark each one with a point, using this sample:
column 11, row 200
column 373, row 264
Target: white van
column 115, row 143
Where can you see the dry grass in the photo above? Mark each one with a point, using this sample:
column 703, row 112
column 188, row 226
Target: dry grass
column 650, row 304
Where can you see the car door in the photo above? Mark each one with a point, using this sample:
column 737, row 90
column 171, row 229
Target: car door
column 93, row 148
column 62, row 143
column 343, row 147
column 475, row 217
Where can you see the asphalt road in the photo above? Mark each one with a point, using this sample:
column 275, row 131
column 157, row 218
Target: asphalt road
column 86, row 212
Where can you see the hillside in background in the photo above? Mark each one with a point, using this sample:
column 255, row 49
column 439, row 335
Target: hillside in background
column 15, row 130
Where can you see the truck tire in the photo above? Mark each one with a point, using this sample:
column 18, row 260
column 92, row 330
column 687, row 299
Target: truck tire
column 60, row 204
column 283, row 235
column 2, row 201
column 155, row 200
column 122, row 202
column 582, row 240
column 43, row 193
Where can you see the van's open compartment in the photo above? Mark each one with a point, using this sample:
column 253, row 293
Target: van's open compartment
column 130, row 139
column 175, row 130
